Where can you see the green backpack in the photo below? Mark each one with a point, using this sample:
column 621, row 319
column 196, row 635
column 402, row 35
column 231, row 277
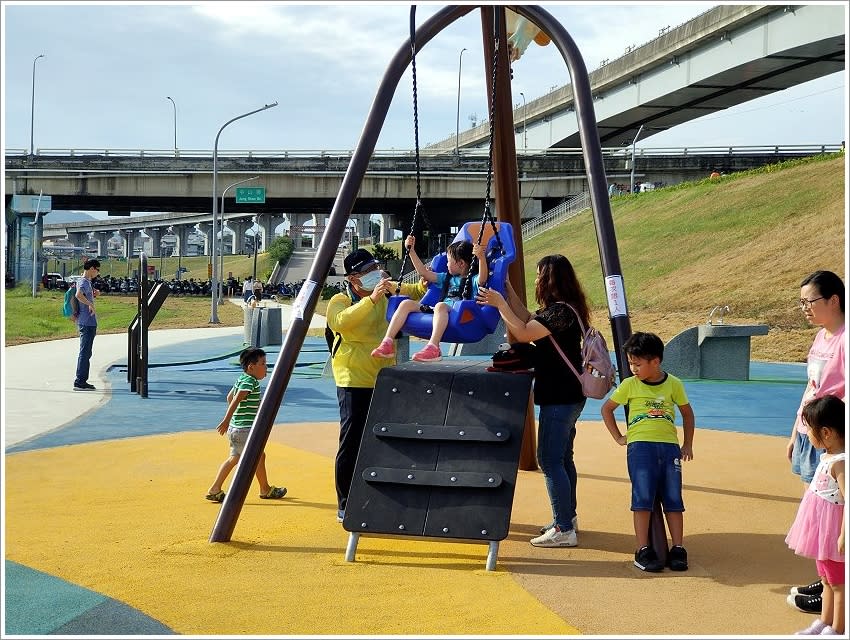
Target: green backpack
column 71, row 306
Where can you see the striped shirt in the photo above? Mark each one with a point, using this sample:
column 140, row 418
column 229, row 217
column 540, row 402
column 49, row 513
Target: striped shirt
column 245, row 413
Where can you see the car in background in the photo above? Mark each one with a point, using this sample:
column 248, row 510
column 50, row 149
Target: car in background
column 55, row 281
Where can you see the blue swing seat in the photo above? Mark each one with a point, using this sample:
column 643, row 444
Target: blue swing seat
column 468, row 321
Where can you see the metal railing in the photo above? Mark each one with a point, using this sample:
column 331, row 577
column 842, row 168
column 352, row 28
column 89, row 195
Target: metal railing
column 802, row 149
column 564, row 211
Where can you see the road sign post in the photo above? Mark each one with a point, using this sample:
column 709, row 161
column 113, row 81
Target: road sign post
column 249, row 195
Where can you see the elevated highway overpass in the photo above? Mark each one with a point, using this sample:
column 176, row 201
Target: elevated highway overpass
column 306, row 183
column 725, row 56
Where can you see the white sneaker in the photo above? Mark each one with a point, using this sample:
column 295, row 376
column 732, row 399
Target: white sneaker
column 814, row 629
column 829, row 631
column 549, row 526
column 554, row 537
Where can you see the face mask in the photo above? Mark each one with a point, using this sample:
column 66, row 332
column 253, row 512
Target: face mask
column 368, row 281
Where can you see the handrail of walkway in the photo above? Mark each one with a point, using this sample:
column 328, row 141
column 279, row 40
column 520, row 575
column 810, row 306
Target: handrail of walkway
column 801, row 149
column 556, row 215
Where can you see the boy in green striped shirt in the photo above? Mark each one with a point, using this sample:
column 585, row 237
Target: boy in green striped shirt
column 243, row 401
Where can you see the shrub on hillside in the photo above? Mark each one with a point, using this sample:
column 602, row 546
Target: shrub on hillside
column 281, row 248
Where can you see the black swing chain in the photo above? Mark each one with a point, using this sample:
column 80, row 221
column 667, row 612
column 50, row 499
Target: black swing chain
column 488, row 216
column 418, row 206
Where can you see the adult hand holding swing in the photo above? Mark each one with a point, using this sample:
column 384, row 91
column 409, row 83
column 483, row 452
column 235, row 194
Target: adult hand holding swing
column 491, row 297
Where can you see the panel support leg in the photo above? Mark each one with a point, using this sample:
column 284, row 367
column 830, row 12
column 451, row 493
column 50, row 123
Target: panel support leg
column 492, row 554
column 351, row 547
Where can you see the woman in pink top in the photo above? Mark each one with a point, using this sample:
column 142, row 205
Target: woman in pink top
column 822, row 301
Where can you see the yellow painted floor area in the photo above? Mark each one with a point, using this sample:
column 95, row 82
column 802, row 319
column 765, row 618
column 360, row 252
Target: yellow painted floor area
column 127, row 518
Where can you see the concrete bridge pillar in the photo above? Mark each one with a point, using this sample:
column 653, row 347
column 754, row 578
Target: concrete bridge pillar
column 182, row 233
column 268, row 223
column 128, row 243
column 78, row 239
column 206, row 230
column 363, row 228
column 102, row 237
column 387, row 224
column 296, row 227
column 274, row 222
column 226, row 237
column 240, row 226
column 155, row 236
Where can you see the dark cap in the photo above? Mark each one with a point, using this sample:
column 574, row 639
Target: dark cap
column 358, row 260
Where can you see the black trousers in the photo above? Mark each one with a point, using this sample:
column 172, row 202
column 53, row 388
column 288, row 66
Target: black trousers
column 353, row 409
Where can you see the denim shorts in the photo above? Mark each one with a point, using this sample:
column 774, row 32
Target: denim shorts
column 238, row 438
column 804, row 458
column 655, row 468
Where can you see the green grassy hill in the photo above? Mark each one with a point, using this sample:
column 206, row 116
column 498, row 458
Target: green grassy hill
column 745, row 240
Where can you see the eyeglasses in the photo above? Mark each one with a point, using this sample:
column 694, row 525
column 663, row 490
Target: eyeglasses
column 805, row 303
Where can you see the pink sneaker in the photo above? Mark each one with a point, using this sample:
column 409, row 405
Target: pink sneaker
column 384, row 350
column 429, row 354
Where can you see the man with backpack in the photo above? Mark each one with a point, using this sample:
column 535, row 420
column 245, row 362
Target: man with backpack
column 87, row 323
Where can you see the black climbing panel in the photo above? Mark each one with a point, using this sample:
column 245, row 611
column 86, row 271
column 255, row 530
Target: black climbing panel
column 440, row 452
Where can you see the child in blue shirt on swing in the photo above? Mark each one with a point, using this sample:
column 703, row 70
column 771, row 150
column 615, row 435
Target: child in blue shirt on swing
column 459, row 260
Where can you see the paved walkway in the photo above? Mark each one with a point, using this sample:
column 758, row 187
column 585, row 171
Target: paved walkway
column 106, row 526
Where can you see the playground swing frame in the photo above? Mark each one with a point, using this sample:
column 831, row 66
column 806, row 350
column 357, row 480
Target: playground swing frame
column 305, row 304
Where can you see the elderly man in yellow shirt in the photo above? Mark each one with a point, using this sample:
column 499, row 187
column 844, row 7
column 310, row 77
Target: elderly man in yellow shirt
column 358, row 321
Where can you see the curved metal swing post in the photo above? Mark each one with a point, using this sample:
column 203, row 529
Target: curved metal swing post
column 305, row 304
column 597, row 183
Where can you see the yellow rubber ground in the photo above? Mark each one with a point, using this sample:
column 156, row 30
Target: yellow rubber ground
column 127, row 518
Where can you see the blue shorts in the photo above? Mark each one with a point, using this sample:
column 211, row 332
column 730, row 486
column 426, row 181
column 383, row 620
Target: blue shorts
column 655, row 468
column 238, row 438
column 804, row 458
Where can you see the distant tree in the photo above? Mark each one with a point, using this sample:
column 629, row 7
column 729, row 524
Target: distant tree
column 383, row 253
column 281, row 248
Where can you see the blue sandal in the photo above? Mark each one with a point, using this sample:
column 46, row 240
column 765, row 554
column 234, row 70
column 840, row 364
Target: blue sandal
column 274, row 493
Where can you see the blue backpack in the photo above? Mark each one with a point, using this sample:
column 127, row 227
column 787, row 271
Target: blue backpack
column 71, row 306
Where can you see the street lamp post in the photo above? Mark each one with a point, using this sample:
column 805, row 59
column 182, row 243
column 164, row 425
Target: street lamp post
column 221, row 246
column 524, row 130
column 256, row 249
column 214, row 305
column 174, row 108
column 457, row 119
column 32, row 105
column 632, row 183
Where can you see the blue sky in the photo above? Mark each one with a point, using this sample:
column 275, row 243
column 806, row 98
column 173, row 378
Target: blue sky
column 108, row 69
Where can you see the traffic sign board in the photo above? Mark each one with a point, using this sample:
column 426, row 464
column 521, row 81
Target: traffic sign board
column 251, row 194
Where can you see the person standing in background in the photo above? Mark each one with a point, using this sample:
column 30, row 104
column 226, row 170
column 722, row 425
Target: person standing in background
column 86, row 323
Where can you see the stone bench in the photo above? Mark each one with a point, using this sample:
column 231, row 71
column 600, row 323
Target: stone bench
column 712, row 351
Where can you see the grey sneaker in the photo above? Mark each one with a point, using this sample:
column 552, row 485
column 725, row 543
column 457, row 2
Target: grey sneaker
column 554, row 537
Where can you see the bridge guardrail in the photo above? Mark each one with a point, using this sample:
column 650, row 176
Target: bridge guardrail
column 802, row 149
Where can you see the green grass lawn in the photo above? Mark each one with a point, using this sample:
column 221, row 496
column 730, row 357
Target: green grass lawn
column 744, row 241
